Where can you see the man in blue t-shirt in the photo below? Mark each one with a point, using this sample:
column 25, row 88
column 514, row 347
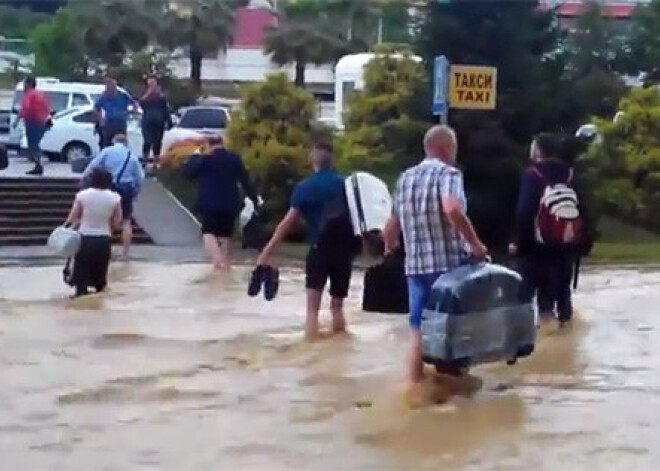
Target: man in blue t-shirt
column 310, row 201
column 112, row 107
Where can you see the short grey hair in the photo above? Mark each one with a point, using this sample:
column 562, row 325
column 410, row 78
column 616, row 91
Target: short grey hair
column 120, row 139
column 439, row 132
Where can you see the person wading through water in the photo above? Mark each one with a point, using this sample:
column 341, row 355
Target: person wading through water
column 429, row 209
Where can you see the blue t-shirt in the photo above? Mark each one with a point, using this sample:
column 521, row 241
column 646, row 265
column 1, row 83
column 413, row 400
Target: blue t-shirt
column 312, row 195
column 115, row 106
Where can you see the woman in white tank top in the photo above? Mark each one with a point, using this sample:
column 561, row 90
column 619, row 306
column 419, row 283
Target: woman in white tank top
column 96, row 212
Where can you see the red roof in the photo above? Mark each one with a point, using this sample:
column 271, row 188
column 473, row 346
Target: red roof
column 250, row 26
column 610, row 10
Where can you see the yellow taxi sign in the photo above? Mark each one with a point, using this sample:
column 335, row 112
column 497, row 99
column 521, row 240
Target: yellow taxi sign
column 472, row 87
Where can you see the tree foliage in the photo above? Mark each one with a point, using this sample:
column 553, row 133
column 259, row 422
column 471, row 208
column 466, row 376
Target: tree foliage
column 625, row 162
column 386, row 120
column 58, row 47
column 273, row 130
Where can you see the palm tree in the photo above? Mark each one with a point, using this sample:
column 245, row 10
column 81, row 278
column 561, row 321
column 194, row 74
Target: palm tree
column 304, row 36
column 200, row 27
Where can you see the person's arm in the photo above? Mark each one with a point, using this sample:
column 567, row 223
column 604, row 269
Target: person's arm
column 525, row 211
column 452, row 191
column 98, row 107
column 166, row 113
column 138, row 174
column 117, row 216
column 392, row 229
column 246, row 183
column 73, row 219
column 283, row 229
column 96, row 162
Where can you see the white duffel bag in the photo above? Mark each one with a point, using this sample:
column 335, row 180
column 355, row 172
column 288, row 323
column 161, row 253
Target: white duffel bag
column 64, row 241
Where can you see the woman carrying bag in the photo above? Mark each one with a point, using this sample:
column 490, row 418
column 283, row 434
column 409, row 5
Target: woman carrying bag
column 96, row 211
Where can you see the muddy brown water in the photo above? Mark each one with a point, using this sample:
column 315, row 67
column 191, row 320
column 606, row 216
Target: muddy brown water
column 177, row 370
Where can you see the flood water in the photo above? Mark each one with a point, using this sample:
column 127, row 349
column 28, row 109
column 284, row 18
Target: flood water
column 175, row 370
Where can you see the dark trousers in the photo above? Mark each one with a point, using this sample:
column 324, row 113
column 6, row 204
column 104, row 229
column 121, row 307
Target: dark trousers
column 90, row 267
column 34, row 132
column 548, row 276
column 152, row 139
column 110, row 129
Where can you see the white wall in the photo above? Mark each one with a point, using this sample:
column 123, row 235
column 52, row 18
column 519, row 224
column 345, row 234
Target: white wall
column 248, row 65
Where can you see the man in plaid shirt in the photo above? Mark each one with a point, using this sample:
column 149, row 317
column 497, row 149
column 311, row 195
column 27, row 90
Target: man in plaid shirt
column 430, row 211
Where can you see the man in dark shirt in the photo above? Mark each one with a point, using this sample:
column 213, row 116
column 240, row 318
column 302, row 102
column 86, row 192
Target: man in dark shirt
column 548, row 269
column 310, row 201
column 218, row 199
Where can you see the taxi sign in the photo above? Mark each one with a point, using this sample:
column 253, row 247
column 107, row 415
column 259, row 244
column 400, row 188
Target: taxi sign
column 472, row 87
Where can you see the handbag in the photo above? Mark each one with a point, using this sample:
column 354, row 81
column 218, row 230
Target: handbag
column 64, row 241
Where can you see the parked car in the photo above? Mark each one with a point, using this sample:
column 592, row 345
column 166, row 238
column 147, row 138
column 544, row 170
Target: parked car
column 197, row 121
column 73, row 136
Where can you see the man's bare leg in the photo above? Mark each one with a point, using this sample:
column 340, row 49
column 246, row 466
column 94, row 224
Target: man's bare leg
column 127, row 237
column 225, row 254
column 313, row 308
column 212, row 250
column 338, row 319
column 415, row 364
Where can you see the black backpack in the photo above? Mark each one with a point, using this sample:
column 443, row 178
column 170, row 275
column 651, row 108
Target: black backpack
column 336, row 229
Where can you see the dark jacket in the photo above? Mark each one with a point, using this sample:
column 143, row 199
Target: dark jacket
column 529, row 197
column 155, row 111
column 220, row 174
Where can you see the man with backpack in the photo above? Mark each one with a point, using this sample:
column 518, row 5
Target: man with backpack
column 552, row 227
column 330, row 255
column 127, row 177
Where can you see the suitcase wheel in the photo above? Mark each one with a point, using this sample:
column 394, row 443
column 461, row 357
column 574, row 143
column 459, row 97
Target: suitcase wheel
column 512, row 362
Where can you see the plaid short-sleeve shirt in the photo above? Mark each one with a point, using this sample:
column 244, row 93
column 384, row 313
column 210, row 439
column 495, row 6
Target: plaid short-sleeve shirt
column 431, row 243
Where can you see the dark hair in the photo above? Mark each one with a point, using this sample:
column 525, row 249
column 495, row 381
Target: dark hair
column 100, row 179
column 30, row 81
column 325, row 147
column 549, row 145
column 572, row 148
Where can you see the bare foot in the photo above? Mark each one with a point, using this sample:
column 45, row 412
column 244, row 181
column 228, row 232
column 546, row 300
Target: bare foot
column 317, row 335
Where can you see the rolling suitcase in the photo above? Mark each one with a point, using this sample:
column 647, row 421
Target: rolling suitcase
column 475, row 314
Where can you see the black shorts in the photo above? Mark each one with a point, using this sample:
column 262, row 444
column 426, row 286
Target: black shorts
column 321, row 265
column 219, row 224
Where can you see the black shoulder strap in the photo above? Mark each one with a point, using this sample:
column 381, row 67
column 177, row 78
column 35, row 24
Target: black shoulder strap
column 123, row 168
column 358, row 201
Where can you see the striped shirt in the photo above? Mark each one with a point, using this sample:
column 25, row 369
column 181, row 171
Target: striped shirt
column 431, row 243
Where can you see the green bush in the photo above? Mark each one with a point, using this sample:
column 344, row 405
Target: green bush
column 625, row 163
column 384, row 121
column 273, row 130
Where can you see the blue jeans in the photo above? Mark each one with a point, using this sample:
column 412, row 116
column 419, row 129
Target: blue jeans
column 419, row 289
column 34, row 132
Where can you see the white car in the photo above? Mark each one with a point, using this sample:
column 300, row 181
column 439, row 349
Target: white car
column 73, row 137
column 196, row 122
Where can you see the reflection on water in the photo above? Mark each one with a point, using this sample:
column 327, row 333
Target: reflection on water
column 176, row 368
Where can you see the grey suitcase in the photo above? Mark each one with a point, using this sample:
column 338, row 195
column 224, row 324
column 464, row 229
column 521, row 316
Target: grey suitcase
column 475, row 314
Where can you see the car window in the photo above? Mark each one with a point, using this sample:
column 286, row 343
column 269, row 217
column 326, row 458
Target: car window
column 58, row 101
column 204, row 118
column 79, row 100
column 86, row 117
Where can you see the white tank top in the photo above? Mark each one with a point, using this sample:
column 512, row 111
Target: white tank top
column 97, row 209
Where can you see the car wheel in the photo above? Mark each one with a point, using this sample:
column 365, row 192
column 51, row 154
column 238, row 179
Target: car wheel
column 75, row 150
